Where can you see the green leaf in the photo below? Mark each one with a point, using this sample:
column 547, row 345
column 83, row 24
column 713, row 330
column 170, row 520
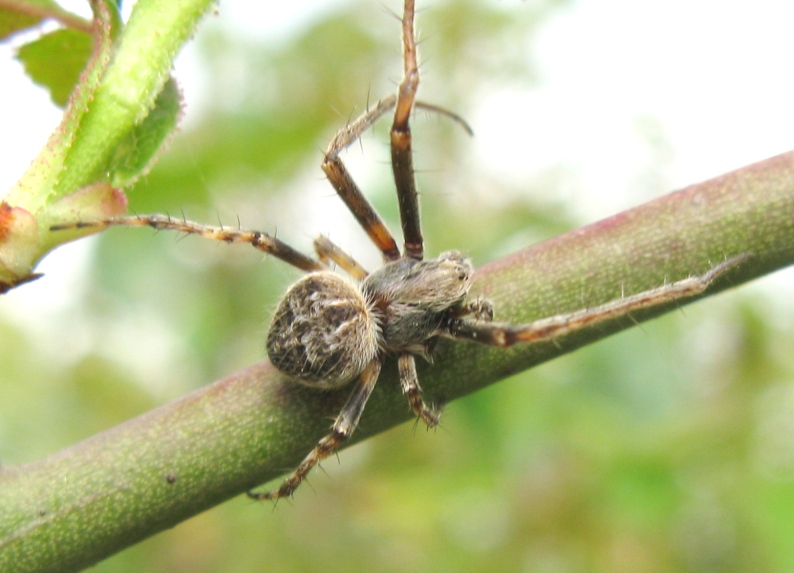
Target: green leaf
column 55, row 61
column 138, row 151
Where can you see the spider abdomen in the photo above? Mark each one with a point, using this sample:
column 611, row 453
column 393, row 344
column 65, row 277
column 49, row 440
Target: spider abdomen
column 323, row 332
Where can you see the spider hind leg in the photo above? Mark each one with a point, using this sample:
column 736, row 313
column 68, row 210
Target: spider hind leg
column 344, row 426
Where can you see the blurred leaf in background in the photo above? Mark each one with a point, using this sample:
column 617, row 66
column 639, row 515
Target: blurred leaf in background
column 666, row 448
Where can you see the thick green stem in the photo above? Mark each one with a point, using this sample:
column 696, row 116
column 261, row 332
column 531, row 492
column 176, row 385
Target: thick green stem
column 82, row 504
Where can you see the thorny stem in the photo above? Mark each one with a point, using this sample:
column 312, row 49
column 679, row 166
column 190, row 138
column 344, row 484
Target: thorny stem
column 82, row 504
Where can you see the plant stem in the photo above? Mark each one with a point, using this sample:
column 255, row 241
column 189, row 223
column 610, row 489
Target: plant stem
column 82, row 504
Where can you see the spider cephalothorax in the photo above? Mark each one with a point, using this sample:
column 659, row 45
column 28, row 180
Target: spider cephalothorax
column 330, row 331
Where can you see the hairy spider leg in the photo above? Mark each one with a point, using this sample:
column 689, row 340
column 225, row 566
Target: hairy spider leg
column 504, row 335
column 401, row 153
column 343, row 428
column 446, row 113
column 346, row 187
column 327, row 251
column 409, row 382
column 257, row 239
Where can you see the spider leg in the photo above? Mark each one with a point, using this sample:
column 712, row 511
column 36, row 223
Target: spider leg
column 446, row 113
column 343, row 428
column 346, row 187
column 352, row 132
column 550, row 328
column 256, row 239
column 410, row 387
column 401, row 155
column 328, row 251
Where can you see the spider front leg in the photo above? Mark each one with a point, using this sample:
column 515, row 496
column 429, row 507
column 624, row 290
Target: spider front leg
column 505, row 335
column 346, row 187
column 401, row 139
column 343, row 428
column 409, row 381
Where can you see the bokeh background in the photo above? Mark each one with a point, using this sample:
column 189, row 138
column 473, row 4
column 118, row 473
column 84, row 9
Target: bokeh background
column 666, row 448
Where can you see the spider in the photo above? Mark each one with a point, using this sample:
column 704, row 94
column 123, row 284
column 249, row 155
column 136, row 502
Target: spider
column 329, row 331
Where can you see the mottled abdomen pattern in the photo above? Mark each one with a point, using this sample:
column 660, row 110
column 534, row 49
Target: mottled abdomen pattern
column 323, row 332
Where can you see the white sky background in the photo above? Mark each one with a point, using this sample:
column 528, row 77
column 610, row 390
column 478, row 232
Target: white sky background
column 715, row 78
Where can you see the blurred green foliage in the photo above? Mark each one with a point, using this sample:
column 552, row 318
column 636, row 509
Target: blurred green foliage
column 666, row 448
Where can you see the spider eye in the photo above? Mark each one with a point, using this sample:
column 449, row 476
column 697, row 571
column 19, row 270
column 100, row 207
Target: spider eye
column 323, row 331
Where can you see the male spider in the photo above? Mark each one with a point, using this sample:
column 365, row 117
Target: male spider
column 329, row 330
